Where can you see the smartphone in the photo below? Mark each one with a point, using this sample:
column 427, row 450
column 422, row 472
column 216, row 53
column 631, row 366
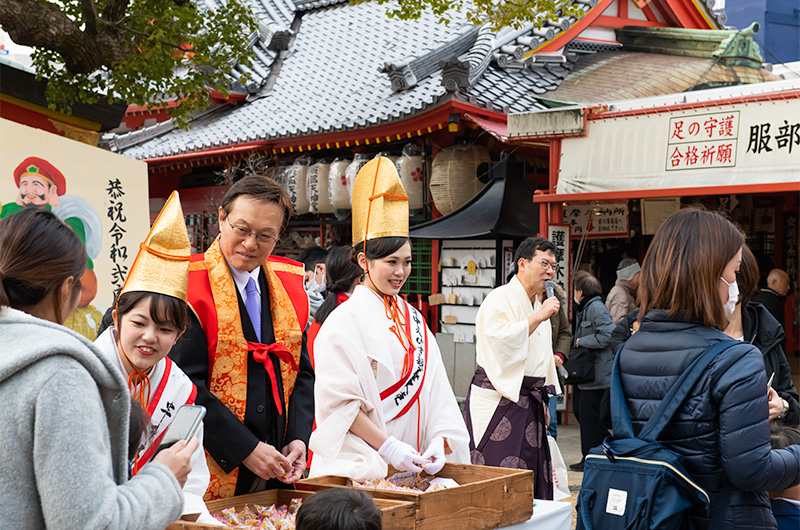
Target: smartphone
column 184, row 425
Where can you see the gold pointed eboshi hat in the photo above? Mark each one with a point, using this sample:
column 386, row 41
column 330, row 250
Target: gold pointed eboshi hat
column 380, row 203
column 162, row 264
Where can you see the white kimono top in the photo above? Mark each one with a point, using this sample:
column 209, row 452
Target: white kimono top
column 507, row 352
column 357, row 357
column 166, row 396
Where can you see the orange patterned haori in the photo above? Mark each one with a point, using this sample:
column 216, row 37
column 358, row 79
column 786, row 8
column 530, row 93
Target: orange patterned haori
column 228, row 346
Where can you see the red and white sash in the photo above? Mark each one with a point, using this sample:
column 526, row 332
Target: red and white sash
column 174, row 389
column 399, row 397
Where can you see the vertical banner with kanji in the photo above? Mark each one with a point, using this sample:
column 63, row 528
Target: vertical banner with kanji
column 101, row 195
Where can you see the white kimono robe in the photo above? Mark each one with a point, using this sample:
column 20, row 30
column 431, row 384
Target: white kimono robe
column 178, row 390
column 507, row 352
column 357, row 357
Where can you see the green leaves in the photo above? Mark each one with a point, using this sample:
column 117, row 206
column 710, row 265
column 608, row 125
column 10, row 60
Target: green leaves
column 498, row 14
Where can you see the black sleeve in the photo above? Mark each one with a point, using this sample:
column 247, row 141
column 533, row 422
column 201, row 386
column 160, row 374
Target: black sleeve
column 301, row 402
column 623, row 330
column 226, row 438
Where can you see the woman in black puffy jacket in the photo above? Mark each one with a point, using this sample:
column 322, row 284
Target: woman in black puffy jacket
column 752, row 322
column 686, row 292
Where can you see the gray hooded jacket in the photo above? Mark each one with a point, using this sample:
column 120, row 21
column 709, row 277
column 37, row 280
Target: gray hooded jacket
column 64, row 437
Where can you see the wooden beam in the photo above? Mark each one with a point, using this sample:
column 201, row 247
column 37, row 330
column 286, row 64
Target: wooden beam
column 622, row 8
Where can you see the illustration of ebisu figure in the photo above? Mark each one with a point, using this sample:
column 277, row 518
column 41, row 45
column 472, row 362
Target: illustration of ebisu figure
column 42, row 185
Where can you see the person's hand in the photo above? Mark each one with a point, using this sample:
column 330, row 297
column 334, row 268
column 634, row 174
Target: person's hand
column 775, row 404
column 558, row 360
column 401, row 456
column 550, row 307
column 266, row 462
column 435, row 454
column 178, row 458
column 295, row 453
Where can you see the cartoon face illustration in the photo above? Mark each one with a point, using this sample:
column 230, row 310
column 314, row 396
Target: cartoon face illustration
column 35, row 191
column 39, row 183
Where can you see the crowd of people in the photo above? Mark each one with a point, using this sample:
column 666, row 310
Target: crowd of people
column 327, row 358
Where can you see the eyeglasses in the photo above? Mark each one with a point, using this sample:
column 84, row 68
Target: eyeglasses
column 244, row 233
column 547, row 265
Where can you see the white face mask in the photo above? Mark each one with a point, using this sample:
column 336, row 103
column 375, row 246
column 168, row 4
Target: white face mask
column 314, row 287
column 733, row 296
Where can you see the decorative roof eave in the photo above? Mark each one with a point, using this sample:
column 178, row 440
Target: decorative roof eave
column 576, row 29
column 408, row 72
column 426, row 122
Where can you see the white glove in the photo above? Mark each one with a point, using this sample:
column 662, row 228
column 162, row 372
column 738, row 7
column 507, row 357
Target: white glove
column 401, row 456
column 434, row 453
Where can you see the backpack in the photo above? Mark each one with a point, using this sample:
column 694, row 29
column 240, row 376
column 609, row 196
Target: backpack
column 634, row 482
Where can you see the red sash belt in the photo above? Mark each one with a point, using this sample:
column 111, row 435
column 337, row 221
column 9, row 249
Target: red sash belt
column 261, row 355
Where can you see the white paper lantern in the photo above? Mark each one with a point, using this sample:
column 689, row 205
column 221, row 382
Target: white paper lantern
column 337, row 185
column 319, row 200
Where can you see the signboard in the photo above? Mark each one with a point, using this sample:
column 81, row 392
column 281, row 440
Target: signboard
column 597, row 220
column 104, row 193
column 703, row 141
column 734, row 144
column 559, row 236
column 656, row 211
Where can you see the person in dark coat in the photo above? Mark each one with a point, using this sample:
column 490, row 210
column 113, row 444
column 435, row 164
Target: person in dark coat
column 753, row 323
column 562, row 339
column 687, row 290
column 593, row 327
column 773, row 296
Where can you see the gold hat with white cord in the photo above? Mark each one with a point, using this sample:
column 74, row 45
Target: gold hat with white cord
column 162, row 264
column 380, row 203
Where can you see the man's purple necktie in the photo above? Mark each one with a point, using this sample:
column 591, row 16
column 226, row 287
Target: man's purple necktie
column 253, row 304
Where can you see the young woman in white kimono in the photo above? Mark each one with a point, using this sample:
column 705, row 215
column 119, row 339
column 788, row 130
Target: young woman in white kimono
column 149, row 318
column 381, row 394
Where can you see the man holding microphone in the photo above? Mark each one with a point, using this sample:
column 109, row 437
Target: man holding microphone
column 507, row 405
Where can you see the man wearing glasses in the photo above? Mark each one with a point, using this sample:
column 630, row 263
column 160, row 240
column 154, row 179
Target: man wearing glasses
column 245, row 348
column 507, row 405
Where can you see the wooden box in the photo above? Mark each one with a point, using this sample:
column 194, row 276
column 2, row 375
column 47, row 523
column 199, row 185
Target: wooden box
column 487, row 497
column 397, row 515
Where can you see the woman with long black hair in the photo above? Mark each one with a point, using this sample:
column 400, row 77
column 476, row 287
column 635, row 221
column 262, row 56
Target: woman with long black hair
column 342, row 276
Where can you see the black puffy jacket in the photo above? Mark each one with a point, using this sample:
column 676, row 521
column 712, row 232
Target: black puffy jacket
column 765, row 333
column 722, row 427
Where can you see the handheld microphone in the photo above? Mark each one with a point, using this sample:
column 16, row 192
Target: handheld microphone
column 549, row 286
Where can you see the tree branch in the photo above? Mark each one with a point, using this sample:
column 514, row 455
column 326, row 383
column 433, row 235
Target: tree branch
column 43, row 25
column 115, row 11
column 89, row 16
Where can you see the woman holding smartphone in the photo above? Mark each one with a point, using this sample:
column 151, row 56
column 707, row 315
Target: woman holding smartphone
column 149, row 318
column 64, row 414
column 687, row 293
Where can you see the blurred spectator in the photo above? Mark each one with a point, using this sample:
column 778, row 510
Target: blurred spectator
column 562, row 339
column 313, row 259
column 773, row 296
column 622, row 298
column 339, row 509
column 593, row 327
column 785, row 503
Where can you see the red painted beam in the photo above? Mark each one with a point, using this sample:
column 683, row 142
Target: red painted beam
column 616, row 22
column 777, row 187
